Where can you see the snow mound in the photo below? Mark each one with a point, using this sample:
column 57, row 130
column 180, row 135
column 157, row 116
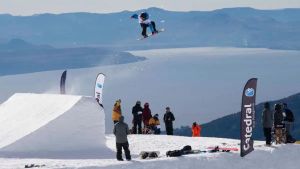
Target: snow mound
column 52, row 126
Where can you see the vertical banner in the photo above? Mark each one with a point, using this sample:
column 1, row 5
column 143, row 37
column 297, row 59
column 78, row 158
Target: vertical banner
column 99, row 87
column 248, row 116
column 63, row 82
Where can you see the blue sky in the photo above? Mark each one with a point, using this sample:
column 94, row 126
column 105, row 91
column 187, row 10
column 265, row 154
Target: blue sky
column 29, row 7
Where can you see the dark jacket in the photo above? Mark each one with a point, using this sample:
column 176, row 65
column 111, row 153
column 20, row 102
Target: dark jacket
column 121, row 131
column 267, row 118
column 278, row 119
column 146, row 114
column 169, row 118
column 289, row 115
column 137, row 111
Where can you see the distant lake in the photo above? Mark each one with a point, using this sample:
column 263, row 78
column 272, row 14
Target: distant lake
column 199, row 84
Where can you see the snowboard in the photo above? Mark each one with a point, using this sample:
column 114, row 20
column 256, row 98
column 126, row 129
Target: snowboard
column 149, row 154
column 297, row 142
column 223, row 148
column 34, row 165
column 150, row 34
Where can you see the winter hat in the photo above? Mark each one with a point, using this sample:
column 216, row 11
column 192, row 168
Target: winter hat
column 167, row 108
column 138, row 102
column 121, row 118
column 267, row 105
column 277, row 107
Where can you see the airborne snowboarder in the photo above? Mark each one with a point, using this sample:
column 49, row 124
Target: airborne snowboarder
column 145, row 22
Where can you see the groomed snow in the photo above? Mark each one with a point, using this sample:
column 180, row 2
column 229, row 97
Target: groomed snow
column 52, row 126
column 22, row 114
column 277, row 157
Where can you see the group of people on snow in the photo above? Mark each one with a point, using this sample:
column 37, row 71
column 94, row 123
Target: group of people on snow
column 277, row 123
column 143, row 121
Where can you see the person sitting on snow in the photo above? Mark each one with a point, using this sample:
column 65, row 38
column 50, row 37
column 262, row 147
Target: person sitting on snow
column 155, row 124
column 145, row 22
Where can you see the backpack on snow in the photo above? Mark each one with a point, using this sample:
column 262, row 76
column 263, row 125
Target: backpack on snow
column 174, row 153
column 187, row 148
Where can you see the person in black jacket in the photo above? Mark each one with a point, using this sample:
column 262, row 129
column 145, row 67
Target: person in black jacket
column 288, row 121
column 168, row 119
column 137, row 111
column 267, row 123
column 278, row 124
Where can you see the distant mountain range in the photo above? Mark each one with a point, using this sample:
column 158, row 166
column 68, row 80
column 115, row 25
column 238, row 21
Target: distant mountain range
column 229, row 126
column 18, row 56
column 237, row 27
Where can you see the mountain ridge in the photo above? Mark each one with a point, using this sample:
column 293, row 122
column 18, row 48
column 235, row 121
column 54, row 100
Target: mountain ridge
column 234, row 27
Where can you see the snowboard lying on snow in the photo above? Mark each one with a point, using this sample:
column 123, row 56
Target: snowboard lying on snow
column 188, row 150
column 34, row 166
column 223, row 148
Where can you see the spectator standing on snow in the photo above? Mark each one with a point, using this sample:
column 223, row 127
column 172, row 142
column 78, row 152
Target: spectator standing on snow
column 288, row 121
column 121, row 131
column 117, row 112
column 196, row 130
column 137, row 111
column 278, row 124
column 267, row 123
column 168, row 119
column 146, row 115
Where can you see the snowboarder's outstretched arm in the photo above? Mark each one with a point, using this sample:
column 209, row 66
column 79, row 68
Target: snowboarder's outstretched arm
column 134, row 16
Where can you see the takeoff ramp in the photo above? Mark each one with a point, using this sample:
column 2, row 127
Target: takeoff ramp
column 52, row 126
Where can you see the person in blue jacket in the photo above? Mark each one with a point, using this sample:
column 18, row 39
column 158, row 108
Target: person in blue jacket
column 145, row 22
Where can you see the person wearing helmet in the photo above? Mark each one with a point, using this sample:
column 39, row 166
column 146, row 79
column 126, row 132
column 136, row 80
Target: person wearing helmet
column 145, row 22
column 267, row 123
column 137, row 111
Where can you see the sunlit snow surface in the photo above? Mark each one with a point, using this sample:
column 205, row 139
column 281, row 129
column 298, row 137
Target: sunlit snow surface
column 262, row 158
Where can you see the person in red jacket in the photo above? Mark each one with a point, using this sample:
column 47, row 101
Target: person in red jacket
column 196, row 130
column 146, row 115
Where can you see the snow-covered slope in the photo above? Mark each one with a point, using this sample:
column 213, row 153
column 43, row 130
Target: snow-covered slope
column 48, row 125
column 276, row 157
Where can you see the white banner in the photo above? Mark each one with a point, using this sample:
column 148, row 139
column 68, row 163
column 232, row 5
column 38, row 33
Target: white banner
column 99, row 87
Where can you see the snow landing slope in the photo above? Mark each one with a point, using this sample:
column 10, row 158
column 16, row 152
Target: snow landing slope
column 275, row 157
column 52, row 126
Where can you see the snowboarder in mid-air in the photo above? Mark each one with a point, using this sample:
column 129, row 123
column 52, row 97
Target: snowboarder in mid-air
column 145, row 22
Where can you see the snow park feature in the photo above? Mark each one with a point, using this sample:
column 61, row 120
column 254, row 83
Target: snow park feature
column 52, row 126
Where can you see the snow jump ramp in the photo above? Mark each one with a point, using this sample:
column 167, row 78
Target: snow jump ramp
column 52, row 126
